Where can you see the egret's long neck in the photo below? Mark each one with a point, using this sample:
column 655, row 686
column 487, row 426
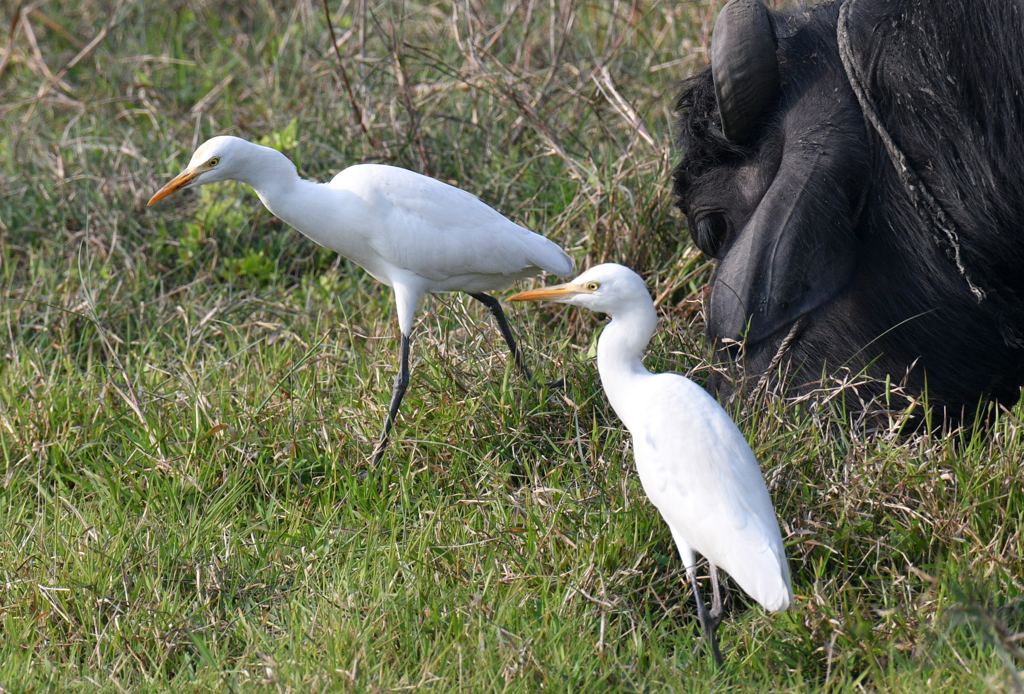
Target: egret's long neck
column 312, row 208
column 271, row 174
column 620, row 351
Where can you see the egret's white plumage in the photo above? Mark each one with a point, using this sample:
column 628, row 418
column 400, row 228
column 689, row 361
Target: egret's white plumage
column 411, row 232
column 694, row 463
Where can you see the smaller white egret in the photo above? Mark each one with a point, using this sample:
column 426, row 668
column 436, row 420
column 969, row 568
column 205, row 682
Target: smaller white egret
column 693, row 462
column 411, row 232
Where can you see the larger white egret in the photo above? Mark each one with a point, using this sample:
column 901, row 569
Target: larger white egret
column 693, row 462
column 411, row 232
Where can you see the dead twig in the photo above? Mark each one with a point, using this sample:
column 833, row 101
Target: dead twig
column 403, row 84
column 54, row 26
column 519, row 125
column 10, row 39
column 517, row 99
column 603, row 80
column 40, row 66
column 44, row 89
column 357, row 112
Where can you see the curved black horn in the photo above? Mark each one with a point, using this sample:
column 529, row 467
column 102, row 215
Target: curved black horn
column 744, row 66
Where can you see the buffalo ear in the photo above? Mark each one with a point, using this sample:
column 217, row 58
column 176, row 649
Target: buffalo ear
column 744, row 66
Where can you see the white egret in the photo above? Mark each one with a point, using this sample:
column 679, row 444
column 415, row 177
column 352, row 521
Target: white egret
column 411, row 232
column 693, row 462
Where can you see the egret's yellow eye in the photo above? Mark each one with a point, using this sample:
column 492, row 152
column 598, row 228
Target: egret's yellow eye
column 592, row 286
column 213, row 162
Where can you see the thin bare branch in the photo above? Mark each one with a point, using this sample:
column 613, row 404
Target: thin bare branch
column 357, row 112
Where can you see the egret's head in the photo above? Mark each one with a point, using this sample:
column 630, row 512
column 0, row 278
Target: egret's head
column 609, row 288
column 217, row 159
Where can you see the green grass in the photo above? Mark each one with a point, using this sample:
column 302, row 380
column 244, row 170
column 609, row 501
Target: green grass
column 189, row 393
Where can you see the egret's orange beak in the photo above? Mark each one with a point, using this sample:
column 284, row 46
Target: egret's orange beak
column 177, row 183
column 558, row 291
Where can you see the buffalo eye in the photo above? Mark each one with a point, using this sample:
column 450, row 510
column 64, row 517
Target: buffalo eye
column 709, row 233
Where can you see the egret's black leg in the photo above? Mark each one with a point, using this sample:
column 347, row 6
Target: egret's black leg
column 708, row 625
column 401, row 382
column 499, row 315
column 494, row 306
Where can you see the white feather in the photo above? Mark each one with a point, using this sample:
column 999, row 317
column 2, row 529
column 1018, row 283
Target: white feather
column 694, row 463
column 409, row 231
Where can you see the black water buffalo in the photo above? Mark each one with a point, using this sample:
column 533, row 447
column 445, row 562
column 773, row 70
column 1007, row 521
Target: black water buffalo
column 857, row 170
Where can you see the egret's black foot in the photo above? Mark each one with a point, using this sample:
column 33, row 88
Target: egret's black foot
column 382, row 442
column 716, row 614
column 556, row 384
column 398, row 392
column 494, row 306
column 709, row 628
column 378, row 452
column 708, row 622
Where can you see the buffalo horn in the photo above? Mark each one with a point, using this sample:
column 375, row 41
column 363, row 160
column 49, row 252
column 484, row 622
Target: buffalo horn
column 744, row 66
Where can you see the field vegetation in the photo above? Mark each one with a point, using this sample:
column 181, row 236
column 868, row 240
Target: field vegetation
column 189, row 393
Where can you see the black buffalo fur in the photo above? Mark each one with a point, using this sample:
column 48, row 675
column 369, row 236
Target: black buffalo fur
column 947, row 79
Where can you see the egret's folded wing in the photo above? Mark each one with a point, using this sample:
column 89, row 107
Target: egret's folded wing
column 701, row 474
column 439, row 232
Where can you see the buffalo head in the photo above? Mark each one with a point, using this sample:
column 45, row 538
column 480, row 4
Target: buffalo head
column 817, row 238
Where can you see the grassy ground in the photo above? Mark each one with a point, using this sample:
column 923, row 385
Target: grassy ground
column 189, row 393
